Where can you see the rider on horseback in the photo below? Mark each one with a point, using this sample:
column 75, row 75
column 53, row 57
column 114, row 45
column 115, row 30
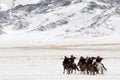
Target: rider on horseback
column 72, row 59
column 66, row 60
column 98, row 59
column 82, row 61
column 100, row 65
column 89, row 61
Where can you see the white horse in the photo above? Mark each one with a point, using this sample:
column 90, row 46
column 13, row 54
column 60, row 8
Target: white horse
column 101, row 68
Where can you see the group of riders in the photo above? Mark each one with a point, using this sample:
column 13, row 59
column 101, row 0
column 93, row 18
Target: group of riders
column 88, row 65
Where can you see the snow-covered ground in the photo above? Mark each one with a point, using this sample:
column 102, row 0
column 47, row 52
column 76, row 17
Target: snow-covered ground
column 46, row 64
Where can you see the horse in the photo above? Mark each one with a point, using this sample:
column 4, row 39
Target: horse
column 69, row 68
column 73, row 67
column 82, row 67
column 92, row 68
column 101, row 68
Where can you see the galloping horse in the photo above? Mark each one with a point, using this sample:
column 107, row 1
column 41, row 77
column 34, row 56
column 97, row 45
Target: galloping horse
column 101, row 68
column 93, row 69
column 73, row 67
column 69, row 65
column 82, row 67
column 69, row 68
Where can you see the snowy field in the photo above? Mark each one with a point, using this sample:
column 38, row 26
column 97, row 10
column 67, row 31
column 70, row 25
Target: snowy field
column 28, row 63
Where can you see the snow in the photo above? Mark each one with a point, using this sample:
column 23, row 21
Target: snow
column 3, row 7
column 27, row 2
column 17, row 64
column 9, row 3
column 16, row 39
column 81, row 22
column 33, row 58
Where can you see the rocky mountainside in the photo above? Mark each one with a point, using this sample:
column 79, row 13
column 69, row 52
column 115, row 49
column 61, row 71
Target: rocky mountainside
column 63, row 18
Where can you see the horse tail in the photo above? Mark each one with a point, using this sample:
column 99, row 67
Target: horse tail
column 104, row 66
column 77, row 67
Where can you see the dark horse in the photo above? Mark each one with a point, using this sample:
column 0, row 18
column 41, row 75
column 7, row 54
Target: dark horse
column 69, row 68
column 73, row 67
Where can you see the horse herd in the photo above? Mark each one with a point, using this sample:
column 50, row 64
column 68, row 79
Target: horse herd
column 88, row 65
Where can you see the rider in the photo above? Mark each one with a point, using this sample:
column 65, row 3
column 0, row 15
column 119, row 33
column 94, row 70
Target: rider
column 89, row 61
column 82, row 60
column 98, row 59
column 72, row 59
column 66, row 60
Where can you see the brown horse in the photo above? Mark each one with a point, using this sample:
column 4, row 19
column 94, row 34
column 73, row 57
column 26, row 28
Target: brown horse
column 92, row 68
column 82, row 68
column 67, row 68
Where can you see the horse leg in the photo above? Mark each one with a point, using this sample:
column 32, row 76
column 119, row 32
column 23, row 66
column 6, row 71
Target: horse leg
column 87, row 69
column 71, row 70
column 64, row 71
column 84, row 72
column 80, row 70
column 68, row 71
column 90, row 72
column 101, row 71
column 94, row 72
column 75, row 71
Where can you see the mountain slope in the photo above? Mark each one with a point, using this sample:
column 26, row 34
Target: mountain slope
column 63, row 19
